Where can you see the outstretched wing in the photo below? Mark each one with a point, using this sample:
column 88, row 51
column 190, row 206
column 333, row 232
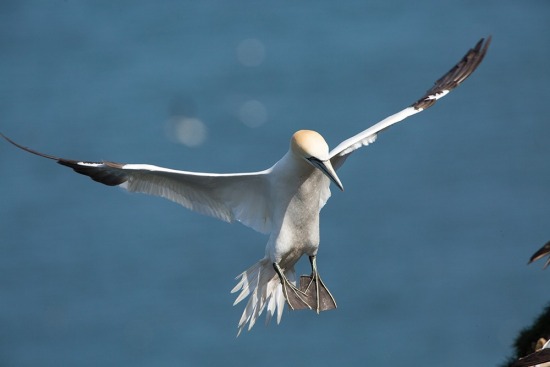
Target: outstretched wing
column 441, row 88
column 542, row 252
column 229, row 197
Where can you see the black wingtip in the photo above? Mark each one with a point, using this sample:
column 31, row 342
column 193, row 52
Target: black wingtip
column 85, row 168
column 29, row 149
column 99, row 174
column 458, row 73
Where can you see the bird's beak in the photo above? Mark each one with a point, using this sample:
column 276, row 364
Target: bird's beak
column 326, row 168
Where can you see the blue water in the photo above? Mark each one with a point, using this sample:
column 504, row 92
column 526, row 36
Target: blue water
column 425, row 251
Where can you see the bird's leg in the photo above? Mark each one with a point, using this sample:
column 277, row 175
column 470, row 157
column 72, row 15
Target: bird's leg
column 295, row 298
column 316, row 291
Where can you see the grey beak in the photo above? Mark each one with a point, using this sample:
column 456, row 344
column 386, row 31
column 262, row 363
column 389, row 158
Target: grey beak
column 326, row 168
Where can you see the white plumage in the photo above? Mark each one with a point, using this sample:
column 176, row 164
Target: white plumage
column 283, row 201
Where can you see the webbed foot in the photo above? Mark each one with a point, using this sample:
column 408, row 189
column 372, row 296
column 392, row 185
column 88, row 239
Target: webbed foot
column 316, row 292
column 295, row 298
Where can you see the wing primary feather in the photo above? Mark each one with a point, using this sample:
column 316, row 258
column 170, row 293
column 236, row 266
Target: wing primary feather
column 30, row 150
column 452, row 79
column 108, row 173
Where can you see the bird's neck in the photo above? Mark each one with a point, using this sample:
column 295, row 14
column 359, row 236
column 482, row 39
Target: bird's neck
column 294, row 164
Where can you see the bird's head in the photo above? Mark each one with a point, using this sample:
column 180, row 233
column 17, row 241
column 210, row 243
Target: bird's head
column 312, row 147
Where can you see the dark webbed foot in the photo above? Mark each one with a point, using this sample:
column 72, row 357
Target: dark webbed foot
column 295, row 298
column 316, row 292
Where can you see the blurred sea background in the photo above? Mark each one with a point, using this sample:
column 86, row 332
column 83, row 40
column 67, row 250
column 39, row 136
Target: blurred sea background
column 425, row 251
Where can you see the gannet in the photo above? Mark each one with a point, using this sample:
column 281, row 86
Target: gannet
column 542, row 252
column 283, row 201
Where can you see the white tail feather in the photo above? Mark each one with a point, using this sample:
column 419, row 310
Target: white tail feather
column 262, row 284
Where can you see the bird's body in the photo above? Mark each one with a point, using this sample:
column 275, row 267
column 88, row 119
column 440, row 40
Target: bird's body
column 298, row 191
column 283, row 201
column 295, row 214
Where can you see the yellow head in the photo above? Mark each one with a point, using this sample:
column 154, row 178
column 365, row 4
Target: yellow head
column 309, row 143
column 312, row 147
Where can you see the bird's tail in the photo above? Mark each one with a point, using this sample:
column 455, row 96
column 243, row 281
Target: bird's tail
column 262, row 283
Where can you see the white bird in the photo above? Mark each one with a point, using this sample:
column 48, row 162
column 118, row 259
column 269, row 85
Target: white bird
column 283, row 201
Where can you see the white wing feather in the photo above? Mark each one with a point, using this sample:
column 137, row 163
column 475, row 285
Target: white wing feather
column 229, row 197
column 241, row 196
column 244, row 196
column 452, row 79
